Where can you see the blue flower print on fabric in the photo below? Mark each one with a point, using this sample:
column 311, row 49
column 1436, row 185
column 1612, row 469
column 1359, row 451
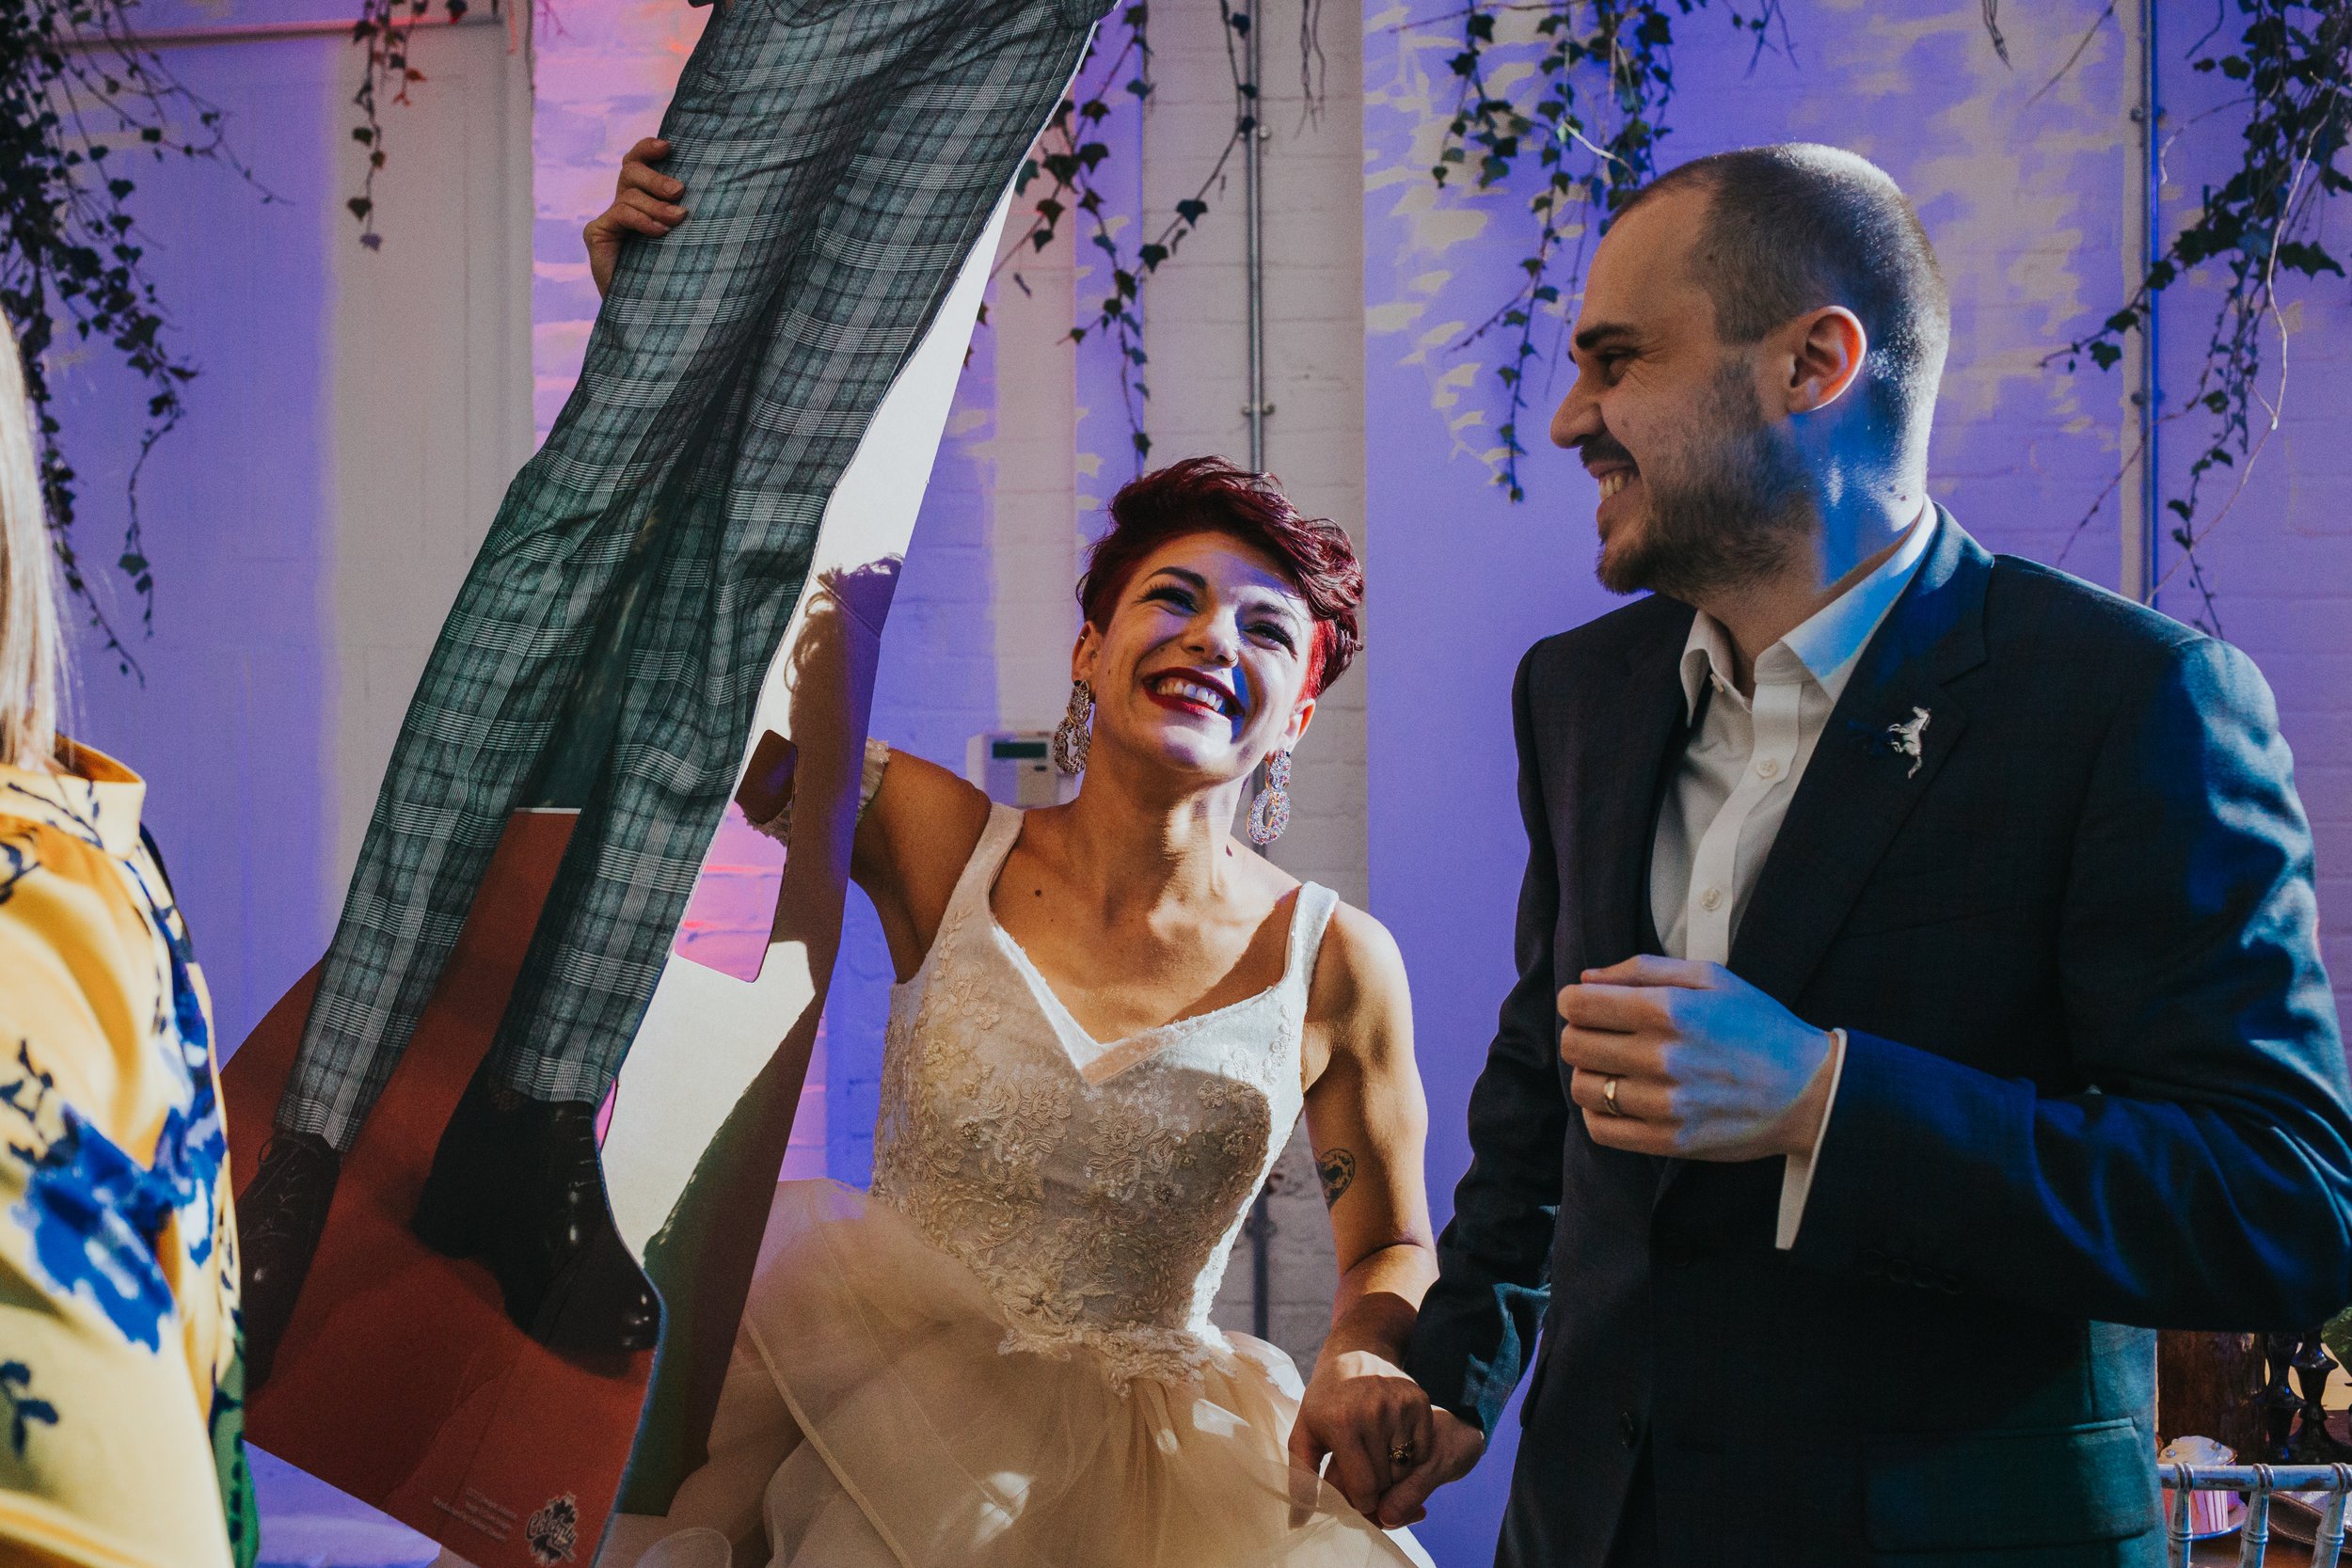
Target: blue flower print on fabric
column 16, row 863
column 94, row 1217
column 16, row 1383
column 196, row 1146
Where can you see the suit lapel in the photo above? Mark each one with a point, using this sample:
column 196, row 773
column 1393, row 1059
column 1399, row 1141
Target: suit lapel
column 1886, row 739
column 1622, row 752
column 1624, row 748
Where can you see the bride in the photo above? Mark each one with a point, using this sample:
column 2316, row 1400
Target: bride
column 1108, row 1018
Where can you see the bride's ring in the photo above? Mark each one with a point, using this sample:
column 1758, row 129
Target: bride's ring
column 1609, row 1098
column 1400, row 1453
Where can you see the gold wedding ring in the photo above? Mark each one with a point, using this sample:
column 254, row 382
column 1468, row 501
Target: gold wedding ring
column 1609, row 1098
column 1400, row 1453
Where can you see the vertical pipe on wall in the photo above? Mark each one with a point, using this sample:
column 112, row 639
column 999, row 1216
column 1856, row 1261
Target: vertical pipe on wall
column 1252, row 12
column 2141, row 495
column 1253, row 202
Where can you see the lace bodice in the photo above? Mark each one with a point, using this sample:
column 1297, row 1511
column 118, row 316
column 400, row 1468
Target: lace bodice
column 1095, row 1188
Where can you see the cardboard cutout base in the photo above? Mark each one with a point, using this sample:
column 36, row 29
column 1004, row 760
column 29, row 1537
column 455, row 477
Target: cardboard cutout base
column 509, row 1454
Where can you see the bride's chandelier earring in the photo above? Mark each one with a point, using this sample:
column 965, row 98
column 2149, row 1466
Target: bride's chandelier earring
column 1076, row 731
column 1270, row 812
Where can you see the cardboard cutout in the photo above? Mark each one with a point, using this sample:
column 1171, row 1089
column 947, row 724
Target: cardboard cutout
column 400, row 1379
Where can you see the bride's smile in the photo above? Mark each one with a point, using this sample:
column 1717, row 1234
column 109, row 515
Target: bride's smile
column 1193, row 691
column 1204, row 668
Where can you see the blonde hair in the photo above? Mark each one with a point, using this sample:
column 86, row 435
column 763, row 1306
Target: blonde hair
column 31, row 650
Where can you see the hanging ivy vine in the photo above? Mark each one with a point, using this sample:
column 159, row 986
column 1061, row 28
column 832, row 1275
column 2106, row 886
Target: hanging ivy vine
column 1579, row 90
column 2295, row 60
column 1066, row 160
column 1592, row 111
column 1590, row 83
column 384, row 29
column 80, row 98
column 1070, row 156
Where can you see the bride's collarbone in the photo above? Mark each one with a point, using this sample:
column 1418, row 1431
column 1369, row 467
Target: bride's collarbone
column 1149, row 968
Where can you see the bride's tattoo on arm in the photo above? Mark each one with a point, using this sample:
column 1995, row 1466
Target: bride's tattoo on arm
column 1337, row 1167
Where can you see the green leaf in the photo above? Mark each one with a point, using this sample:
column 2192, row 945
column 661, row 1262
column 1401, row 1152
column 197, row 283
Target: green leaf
column 2336, row 1334
column 2306, row 258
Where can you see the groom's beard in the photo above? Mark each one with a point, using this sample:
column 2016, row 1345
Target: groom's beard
column 1738, row 509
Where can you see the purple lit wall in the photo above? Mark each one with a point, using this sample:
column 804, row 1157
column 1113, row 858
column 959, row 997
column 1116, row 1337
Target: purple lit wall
column 2026, row 193
column 228, row 712
column 356, row 415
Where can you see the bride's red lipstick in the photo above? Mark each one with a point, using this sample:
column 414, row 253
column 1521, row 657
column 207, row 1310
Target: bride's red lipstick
column 1179, row 702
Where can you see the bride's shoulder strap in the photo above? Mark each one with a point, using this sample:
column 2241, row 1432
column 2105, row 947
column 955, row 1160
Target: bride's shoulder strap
column 987, row 856
column 1309, row 918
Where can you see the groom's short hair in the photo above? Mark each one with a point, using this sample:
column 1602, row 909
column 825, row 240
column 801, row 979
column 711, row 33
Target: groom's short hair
column 1797, row 226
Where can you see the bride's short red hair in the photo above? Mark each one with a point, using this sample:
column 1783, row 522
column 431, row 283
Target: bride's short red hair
column 1209, row 494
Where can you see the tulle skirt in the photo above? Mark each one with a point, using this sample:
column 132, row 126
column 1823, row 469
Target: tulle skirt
column 910, row 1438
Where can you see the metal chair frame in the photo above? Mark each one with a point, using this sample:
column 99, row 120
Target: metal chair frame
column 2260, row 1482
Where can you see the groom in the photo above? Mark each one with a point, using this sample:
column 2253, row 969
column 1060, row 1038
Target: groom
column 1919, row 975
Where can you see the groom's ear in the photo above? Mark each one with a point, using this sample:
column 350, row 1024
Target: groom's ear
column 1825, row 352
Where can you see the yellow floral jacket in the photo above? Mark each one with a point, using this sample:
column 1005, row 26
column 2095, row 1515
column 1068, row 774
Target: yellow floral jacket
column 121, row 1416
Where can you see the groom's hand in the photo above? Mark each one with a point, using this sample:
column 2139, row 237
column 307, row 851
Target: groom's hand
column 1455, row 1446
column 1705, row 1066
column 1364, row 1411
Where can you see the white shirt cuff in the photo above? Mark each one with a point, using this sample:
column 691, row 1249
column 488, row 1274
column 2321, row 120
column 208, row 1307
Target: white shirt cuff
column 1796, row 1179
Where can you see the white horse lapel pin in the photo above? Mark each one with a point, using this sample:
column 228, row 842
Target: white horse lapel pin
column 1904, row 739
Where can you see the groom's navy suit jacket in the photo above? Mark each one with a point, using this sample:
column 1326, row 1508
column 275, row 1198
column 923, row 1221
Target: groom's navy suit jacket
column 2093, row 1080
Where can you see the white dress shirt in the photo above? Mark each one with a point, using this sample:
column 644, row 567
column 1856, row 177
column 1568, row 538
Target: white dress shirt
column 1731, row 788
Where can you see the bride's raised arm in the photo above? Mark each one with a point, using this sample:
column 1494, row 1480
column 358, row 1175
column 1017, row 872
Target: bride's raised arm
column 1366, row 1120
column 912, row 840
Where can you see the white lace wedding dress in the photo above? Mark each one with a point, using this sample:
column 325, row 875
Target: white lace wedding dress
column 1003, row 1356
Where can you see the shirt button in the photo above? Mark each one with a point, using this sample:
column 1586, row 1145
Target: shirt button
column 1768, row 767
column 1711, row 900
column 1628, row 1430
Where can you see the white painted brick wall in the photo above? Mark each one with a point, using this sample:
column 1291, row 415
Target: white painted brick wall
column 1196, row 334
column 1023, row 420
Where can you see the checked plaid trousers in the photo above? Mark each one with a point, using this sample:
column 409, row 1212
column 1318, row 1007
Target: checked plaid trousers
column 841, row 158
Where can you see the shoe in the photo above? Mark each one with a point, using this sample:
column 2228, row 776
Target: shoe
column 516, row 1184
column 280, row 1217
column 470, row 1169
column 570, row 1280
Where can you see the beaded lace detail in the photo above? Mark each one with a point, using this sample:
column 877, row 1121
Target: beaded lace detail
column 1096, row 1189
